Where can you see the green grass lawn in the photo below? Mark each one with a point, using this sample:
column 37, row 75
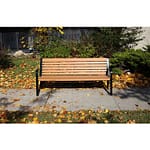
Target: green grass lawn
column 82, row 116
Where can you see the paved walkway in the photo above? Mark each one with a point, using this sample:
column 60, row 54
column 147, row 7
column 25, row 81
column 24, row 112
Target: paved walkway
column 74, row 99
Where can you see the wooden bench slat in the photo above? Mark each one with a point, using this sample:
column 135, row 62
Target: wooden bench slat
column 73, row 67
column 71, row 74
column 76, row 64
column 78, row 69
column 73, row 78
column 73, row 63
column 73, row 59
column 74, row 70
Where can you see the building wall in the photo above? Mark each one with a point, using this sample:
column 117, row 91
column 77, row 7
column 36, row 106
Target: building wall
column 146, row 40
column 74, row 33
column 10, row 37
column 10, row 40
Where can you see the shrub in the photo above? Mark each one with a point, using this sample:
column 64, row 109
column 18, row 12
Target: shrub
column 5, row 60
column 134, row 60
column 85, row 50
column 59, row 52
column 117, row 71
column 61, row 48
column 108, row 40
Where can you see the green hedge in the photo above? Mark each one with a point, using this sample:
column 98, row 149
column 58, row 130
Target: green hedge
column 134, row 60
column 64, row 49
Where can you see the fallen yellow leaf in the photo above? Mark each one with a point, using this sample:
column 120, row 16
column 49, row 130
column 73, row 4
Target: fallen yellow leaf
column 106, row 111
column 35, row 120
column 23, row 120
column 91, row 122
column 131, row 122
column 16, row 99
column 106, row 121
column 4, row 91
column 59, row 120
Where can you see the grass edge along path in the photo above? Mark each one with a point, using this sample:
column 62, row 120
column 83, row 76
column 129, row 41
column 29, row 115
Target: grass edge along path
column 81, row 116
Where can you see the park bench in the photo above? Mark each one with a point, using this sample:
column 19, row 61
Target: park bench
column 74, row 69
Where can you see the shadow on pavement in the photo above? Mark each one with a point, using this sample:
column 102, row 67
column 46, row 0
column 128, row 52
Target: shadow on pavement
column 4, row 101
column 142, row 94
column 42, row 99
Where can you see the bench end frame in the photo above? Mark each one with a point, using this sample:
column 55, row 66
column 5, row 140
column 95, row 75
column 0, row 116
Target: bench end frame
column 37, row 78
column 37, row 82
column 109, row 73
column 111, row 87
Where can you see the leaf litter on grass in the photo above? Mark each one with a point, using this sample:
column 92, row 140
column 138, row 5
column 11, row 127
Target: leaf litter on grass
column 21, row 75
column 80, row 116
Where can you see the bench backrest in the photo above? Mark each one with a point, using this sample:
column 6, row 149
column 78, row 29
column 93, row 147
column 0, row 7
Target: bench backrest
column 74, row 66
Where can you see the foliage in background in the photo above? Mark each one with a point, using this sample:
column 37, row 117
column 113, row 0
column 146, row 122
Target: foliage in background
column 5, row 60
column 85, row 47
column 61, row 48
column 108, row 40
column 23, row 40
column 43, row 36
column 137, row 61
column 50, row 44
column 117, row 71
column 103, row 41
column 55, row 48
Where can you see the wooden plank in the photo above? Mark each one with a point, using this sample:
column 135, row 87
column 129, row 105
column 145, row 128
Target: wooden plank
column 71, row 67
column 74, row 78
column 73, row 59
column 47, row 69
column 73, row 71
column 73, row 74
column 74, row 66
column 73, row 63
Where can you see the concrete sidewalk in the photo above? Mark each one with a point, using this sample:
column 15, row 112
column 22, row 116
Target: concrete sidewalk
column 74, row 99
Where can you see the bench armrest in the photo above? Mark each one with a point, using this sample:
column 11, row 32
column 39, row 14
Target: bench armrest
column 39, row 70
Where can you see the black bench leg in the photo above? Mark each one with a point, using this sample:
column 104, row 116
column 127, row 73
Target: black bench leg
column 111, row 92
column 37, row 84
column 107, row 85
